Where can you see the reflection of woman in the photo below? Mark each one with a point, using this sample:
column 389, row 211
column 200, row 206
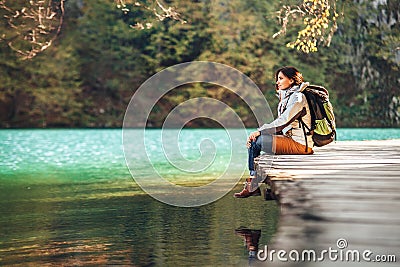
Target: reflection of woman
column 251, row 238
column 284, row 135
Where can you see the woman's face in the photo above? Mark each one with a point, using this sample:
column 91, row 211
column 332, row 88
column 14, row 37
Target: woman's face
column 283, row 82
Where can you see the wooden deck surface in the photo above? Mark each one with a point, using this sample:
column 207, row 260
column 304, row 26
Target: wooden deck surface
column 346, row 190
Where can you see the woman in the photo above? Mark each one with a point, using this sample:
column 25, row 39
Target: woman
column 283, row 136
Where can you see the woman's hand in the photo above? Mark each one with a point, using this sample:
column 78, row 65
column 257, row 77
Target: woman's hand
column 252, row 137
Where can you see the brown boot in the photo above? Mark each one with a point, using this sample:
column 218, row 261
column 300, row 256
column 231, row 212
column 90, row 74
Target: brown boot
column 246, row 192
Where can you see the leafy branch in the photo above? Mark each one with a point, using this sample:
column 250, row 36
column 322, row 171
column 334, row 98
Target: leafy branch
column 319, row 18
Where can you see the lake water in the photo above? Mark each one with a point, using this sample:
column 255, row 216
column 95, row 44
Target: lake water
column 67, row 198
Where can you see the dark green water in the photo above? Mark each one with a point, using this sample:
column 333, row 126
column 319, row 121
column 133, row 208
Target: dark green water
column 68, row 199
column 69, row 225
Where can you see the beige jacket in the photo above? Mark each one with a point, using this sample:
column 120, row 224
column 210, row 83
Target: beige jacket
column 291, row 102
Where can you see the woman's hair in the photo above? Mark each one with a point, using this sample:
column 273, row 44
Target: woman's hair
column 291, row 73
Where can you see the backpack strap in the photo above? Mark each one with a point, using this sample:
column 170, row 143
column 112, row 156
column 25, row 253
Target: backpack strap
column 304, row 127
column 287, row 101
column 310, row 105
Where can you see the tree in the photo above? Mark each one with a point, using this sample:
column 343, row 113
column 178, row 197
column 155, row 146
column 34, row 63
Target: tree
column 88, row 76
column 33, row 26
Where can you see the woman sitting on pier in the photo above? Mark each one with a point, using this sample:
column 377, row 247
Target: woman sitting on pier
column 283, row 136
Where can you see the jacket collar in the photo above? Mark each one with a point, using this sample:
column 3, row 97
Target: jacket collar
column 296, row 88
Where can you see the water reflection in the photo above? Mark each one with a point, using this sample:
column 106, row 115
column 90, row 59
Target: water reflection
column 74, row 225
column 251, row 238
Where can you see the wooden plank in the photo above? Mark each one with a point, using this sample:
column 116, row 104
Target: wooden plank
column 347, row 190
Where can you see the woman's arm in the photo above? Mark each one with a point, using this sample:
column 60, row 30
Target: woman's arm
column 295, row 108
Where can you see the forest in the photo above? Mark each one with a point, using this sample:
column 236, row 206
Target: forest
column 88, row 75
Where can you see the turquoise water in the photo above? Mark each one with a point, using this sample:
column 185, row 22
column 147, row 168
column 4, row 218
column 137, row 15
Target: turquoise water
column 91, row 152
column 67, row 198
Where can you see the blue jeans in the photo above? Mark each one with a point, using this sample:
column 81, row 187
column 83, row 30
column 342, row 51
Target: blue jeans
column 262, row 143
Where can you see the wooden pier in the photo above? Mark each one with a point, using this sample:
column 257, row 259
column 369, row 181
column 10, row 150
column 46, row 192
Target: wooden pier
column 347, row 191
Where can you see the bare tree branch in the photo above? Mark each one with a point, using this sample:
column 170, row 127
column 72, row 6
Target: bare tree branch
column 36, row 26
column 284, row 15
column 159, row 10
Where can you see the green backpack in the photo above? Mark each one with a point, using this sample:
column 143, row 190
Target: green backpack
column 323, row 127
